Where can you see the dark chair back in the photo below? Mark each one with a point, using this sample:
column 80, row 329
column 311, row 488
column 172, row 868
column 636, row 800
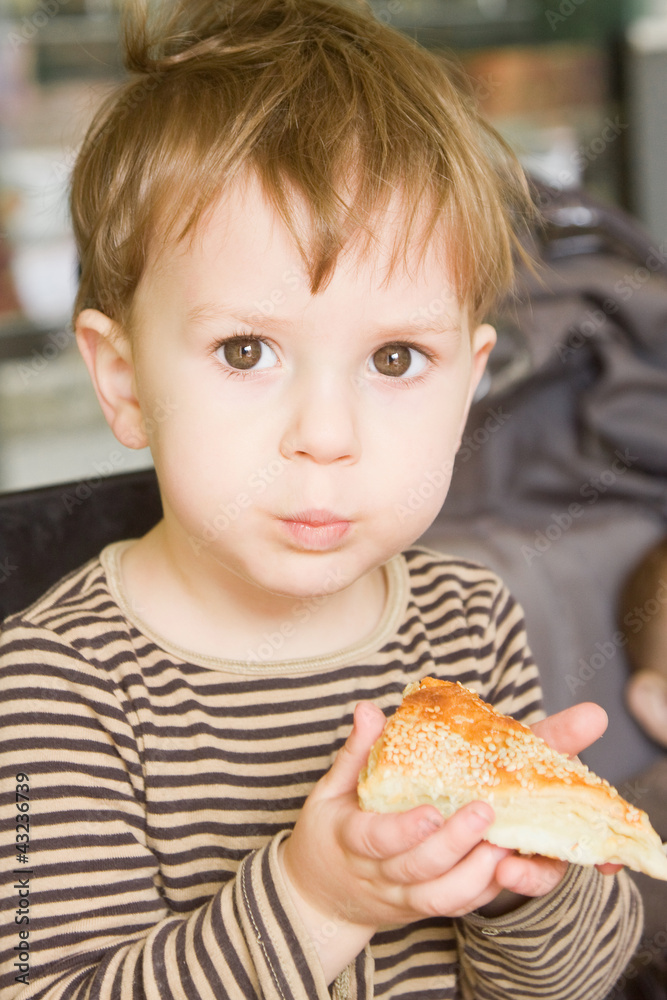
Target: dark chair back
column 45, row 533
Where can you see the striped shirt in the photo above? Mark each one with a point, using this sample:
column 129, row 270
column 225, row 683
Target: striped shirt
column 159, row 784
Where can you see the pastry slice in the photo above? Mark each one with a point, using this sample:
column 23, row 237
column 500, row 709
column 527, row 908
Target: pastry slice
column 446, row 747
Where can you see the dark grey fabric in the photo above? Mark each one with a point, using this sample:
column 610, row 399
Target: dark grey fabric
column 560, row 484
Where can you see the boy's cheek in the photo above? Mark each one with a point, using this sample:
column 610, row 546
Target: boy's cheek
column 418, row 504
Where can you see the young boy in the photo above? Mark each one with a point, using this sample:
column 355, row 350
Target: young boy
column 291, row 224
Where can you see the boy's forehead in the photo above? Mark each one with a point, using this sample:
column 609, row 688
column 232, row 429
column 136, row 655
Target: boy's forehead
column 242, row 254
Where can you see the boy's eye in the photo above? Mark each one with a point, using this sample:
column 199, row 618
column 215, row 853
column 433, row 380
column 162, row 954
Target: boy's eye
column 398, row 360
column 244, row 353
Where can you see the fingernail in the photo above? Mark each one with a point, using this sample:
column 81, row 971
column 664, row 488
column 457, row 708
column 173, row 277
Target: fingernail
column 365, row 711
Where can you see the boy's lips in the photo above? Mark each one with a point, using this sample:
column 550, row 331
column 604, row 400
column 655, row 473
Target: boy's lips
column 316, row 529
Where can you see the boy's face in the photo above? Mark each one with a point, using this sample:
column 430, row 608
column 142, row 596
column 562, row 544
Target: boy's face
column 350, row 402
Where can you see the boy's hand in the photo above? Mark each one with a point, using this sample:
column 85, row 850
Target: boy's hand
column 357, row 871
column 350, row 872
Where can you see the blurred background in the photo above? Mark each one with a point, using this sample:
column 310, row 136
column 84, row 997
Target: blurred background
column 576, row 86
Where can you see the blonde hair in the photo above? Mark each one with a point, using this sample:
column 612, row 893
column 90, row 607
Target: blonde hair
column 321, row 101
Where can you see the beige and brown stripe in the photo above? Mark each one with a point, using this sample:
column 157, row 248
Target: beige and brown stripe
column 161, row 783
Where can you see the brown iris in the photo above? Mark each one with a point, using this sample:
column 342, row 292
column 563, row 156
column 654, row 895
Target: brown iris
column 392, row 359
column 242, row 352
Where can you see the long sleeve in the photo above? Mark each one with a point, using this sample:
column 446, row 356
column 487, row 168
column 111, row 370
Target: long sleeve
column 148, row 789
column 570, row 945
column 83, row 900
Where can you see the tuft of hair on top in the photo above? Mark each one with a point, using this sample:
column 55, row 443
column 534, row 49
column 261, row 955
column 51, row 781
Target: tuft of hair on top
column 329, row 108
column 642, row 608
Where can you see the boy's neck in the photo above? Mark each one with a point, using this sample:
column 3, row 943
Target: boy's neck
column 216, row 615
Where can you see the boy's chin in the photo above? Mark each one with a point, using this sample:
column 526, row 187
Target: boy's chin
column 322, row 575
column 305, row 575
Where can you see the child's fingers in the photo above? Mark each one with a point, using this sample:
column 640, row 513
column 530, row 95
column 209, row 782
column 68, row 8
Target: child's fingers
column 530, row 876
column 418, row 844
column 608, row 868
column 378, row 836
column 573, row 729
column 442, row 850
column 469, row 884
column 343, row 775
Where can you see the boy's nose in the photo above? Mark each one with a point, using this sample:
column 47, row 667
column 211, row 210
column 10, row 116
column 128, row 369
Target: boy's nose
column 322, row 425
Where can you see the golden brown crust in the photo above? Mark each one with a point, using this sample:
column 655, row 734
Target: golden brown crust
column 446, row 746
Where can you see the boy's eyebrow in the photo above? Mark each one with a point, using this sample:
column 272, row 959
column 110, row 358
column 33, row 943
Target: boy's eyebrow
column 209, row 312
column 422, row 326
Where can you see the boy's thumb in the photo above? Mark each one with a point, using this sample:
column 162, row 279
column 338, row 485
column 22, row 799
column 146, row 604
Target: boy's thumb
column 344, row 773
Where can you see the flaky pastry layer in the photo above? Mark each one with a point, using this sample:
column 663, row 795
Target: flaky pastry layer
column 446, row 747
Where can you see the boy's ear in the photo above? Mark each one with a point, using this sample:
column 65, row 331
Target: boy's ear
column 107, row 353
column 646, row 695
column 483, row 341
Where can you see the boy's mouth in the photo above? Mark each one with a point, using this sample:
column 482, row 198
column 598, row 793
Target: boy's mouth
column 316, row 529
